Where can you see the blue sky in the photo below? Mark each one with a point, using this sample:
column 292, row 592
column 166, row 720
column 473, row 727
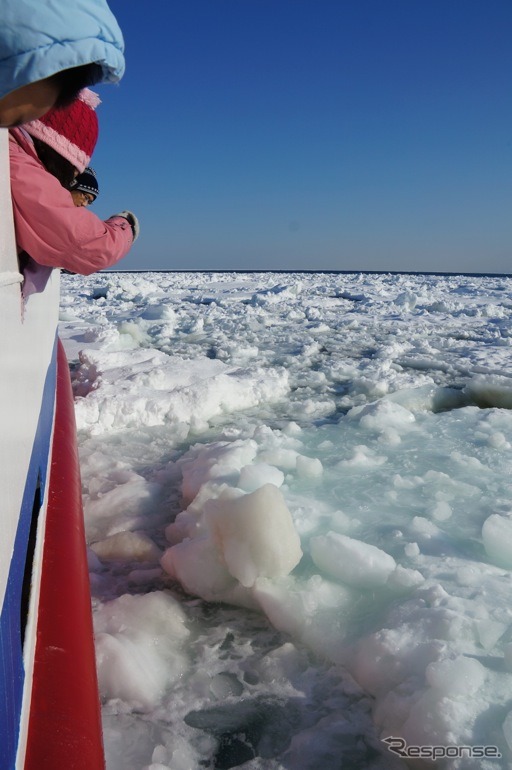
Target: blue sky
column 312, row 134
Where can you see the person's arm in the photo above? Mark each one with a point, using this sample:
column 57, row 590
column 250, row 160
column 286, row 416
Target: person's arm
column 53, row 230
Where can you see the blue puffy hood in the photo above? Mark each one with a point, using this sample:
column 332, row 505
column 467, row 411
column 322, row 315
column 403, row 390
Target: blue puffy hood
column 41, row 37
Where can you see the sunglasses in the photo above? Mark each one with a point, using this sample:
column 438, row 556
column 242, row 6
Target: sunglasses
column 87, row 198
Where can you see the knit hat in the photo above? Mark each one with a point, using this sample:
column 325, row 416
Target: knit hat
column 71, row 131
column 86, row 182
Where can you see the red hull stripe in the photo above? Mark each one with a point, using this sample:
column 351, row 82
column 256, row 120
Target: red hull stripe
column 12, row 673
column 64, row 728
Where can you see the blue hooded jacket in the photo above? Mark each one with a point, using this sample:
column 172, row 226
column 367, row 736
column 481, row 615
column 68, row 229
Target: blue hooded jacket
column 39, row 38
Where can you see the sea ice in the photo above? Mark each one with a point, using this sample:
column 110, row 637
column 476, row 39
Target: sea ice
column 244, row 537
column 497, row 539
column 140, row 647
column 351, row 561
column 242, row 419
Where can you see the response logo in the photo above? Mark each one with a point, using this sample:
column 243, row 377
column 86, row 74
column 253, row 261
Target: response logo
column 400, row 747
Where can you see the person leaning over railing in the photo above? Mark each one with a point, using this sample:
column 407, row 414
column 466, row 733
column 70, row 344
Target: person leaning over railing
column 45, row 156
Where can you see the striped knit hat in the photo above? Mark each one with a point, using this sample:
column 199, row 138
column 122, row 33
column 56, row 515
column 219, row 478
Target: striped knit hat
column 71, row 131
column 86, row 182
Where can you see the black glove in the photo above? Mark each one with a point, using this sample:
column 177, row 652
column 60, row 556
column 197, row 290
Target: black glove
column 134, row 222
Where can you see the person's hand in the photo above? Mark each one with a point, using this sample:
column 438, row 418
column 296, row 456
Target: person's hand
column 133, row 221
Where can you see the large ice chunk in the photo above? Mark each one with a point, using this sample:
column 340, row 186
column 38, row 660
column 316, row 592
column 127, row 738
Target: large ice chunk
column 351, row 561
column 497, row 537
column 139, row 647
column 198, row 566
column 255, row 534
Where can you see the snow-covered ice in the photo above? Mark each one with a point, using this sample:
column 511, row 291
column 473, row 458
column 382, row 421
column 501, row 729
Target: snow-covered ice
column 299, row 516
